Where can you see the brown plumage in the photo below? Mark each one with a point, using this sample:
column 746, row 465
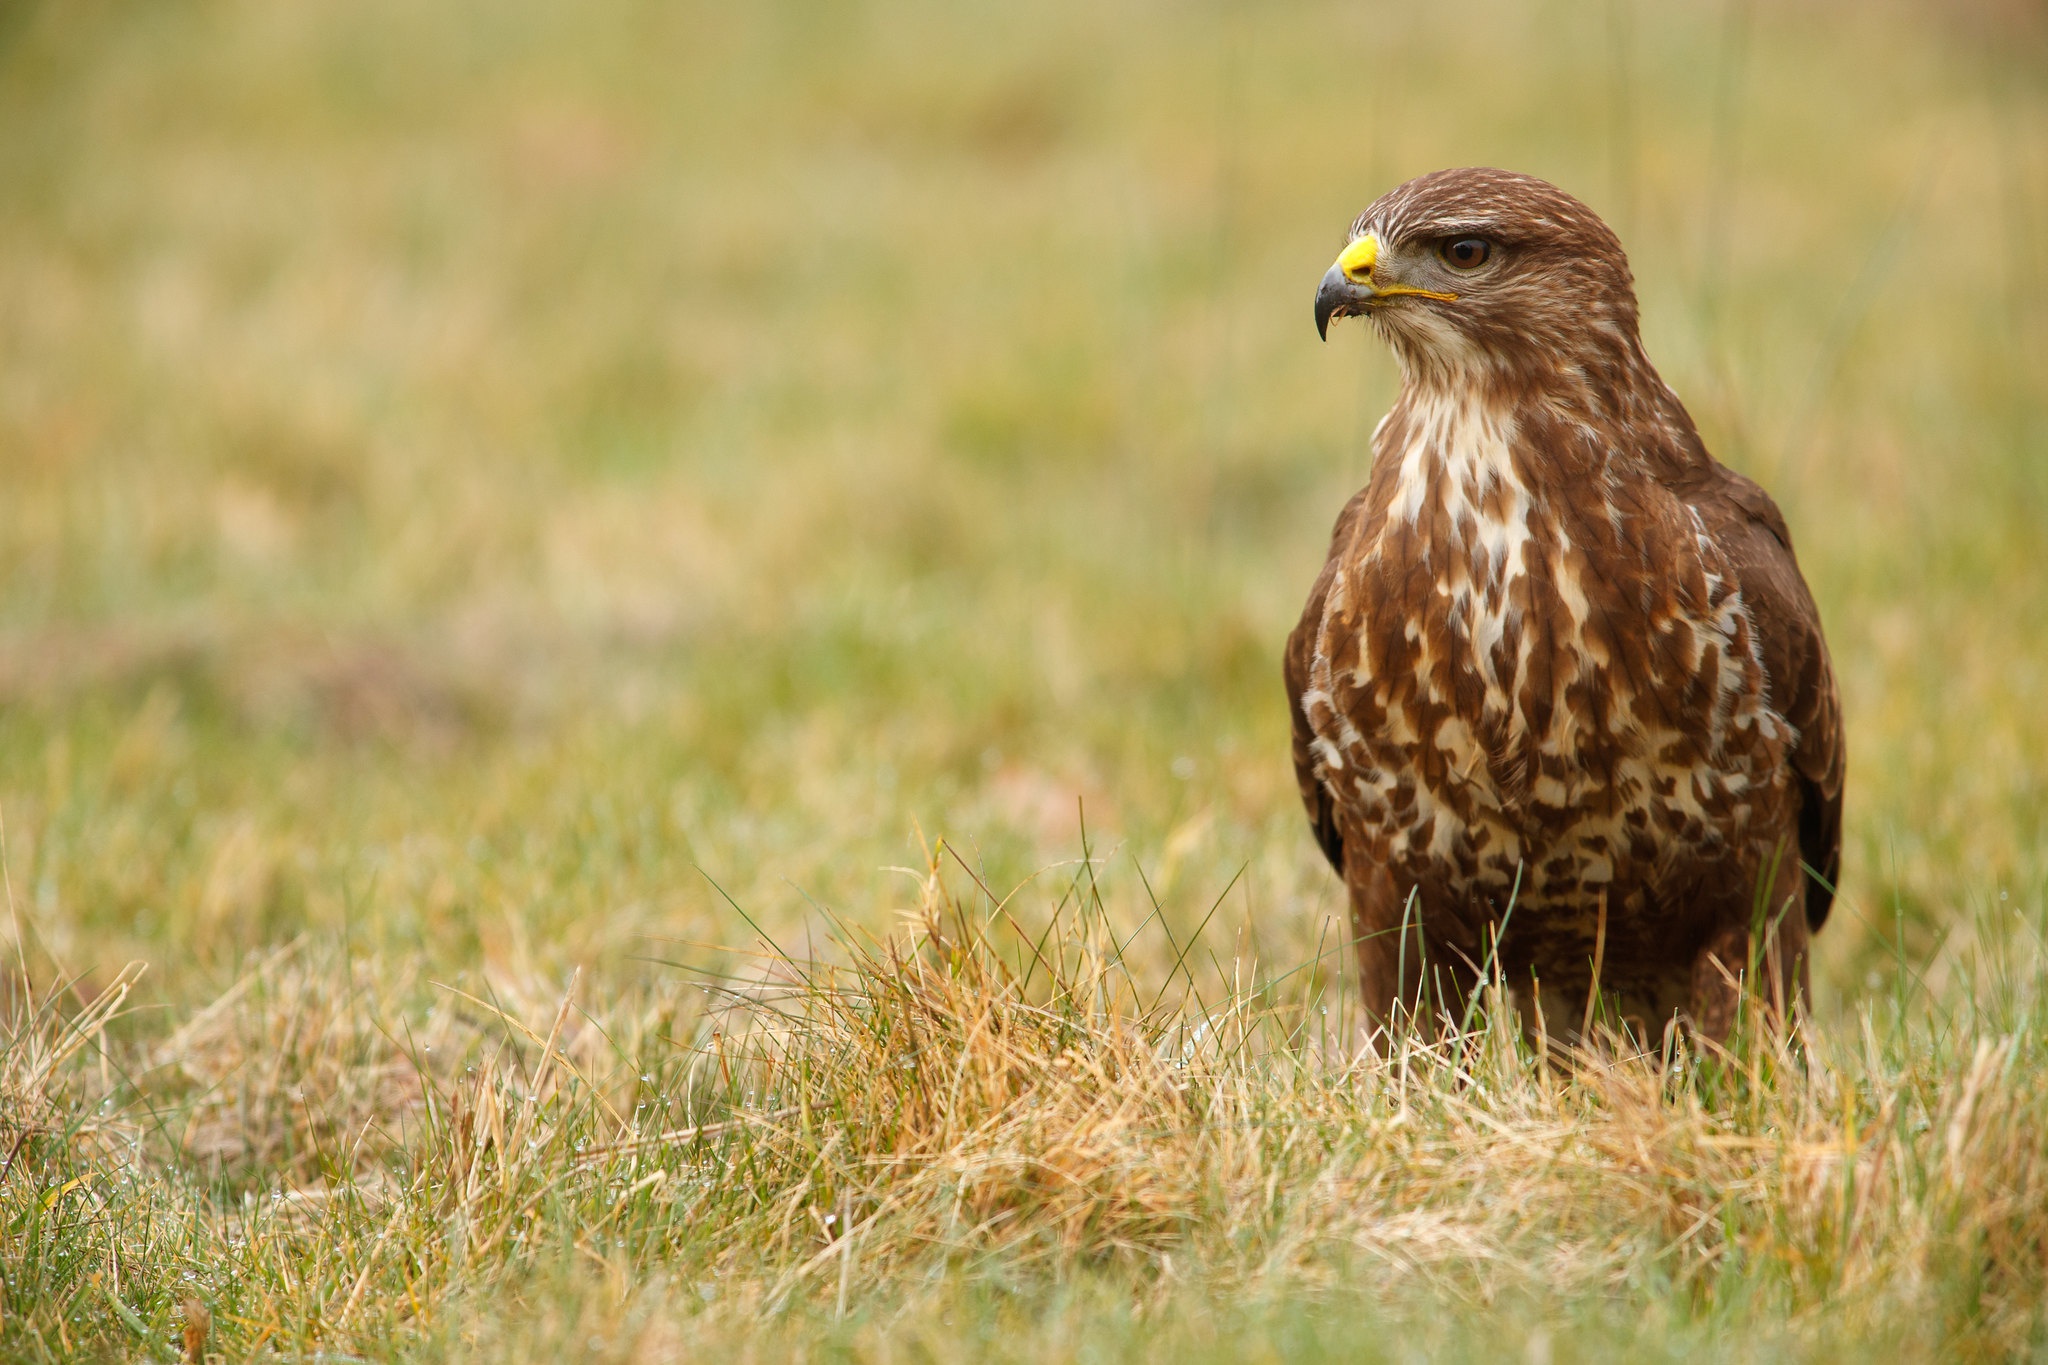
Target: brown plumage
column 1560, row 657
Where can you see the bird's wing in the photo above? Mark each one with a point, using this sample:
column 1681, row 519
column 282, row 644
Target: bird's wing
column 1751, row 532
column 1301, row 653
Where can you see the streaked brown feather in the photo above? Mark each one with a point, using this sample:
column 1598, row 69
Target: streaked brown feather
column 1750, row 527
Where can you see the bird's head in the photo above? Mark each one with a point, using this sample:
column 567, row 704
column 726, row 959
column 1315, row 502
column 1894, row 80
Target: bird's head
column 1477, row 271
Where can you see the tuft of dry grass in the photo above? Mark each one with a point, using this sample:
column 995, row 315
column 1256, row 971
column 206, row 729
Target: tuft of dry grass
column 970, row 1114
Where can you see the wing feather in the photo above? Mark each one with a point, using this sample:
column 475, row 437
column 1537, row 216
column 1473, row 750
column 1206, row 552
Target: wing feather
column 1297, row 666
column 1752, row 533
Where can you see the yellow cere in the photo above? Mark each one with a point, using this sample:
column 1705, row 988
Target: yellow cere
column 1356, row 262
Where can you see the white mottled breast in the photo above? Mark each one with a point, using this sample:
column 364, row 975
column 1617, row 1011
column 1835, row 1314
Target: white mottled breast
column 1526, row 716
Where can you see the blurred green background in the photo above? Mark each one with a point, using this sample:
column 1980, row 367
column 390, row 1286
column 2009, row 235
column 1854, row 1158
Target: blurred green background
column 465, row 467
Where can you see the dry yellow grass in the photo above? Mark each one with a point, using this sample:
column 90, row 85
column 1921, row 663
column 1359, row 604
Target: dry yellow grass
column 928, row 1126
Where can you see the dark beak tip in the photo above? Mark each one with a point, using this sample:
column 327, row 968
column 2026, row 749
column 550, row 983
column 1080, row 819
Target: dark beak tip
column 1332, row 296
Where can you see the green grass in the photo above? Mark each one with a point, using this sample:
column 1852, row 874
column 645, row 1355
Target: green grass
column 489, row 492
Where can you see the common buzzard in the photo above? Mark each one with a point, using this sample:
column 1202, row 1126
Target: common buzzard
column 1560, row 687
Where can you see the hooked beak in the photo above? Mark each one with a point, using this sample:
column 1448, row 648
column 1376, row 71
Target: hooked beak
column 1347, row 286
column 1350, row 286
column 1339, row 297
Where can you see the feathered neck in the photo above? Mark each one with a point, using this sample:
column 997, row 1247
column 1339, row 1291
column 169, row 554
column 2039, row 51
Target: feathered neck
column 1594, row 407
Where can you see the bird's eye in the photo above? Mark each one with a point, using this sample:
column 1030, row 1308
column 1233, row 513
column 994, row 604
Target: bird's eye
column 1465, row 253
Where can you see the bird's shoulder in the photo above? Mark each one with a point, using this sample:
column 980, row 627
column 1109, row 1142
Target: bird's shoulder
column 1734, row 501
column 1747, row 527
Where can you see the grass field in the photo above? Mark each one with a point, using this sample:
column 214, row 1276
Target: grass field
column 556, row 562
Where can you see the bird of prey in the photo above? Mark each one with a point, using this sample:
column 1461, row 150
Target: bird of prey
column 1562, row 708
